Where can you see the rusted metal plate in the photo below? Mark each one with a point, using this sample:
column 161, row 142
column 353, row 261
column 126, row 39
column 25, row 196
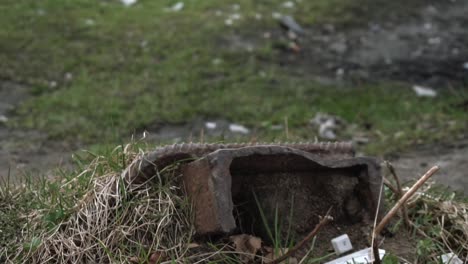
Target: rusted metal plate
column 227, row 186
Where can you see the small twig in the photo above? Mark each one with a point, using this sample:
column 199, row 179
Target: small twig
column 400, row 193
column 390, row 186
column 327, row 218
column 403, row 199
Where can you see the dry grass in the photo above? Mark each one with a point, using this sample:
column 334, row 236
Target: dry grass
column 116, row 222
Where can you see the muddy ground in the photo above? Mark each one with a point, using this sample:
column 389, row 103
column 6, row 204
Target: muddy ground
column 427, row 47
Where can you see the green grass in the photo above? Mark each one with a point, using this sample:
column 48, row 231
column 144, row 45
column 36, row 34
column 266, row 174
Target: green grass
column 133, row 67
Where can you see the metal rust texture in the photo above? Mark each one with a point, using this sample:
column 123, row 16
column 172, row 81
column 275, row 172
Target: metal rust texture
column 227, row 186
column 142, row 169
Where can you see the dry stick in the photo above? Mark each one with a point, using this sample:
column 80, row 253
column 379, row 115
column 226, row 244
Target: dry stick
column 400, row 193
column 403, row 199
column 327, row 218
column 390, row 186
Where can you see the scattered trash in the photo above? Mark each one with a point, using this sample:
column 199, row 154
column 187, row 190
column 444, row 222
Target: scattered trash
column 434, row 41
column 465, row 65
column 68, row 76
column 341, row 244
column 235, row 16
column 210, row 125
column 177, row 6
column 217, row 61
column 424, row 91
column 288, row 4
column 289, row 23
column 340, row 72
column 218, row 13
column 238, row 129
column 3, row 119
column 427, row 26
column 228, row 22
column 53, row 84
column 235, row 7
column 258, row 16
column 359, row 257
column 89, row 22
column 327, row 125
column 450, row 258
column 128, row 2
column 276, row 15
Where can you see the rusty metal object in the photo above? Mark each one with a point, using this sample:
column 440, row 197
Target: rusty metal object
column 227, row 184
column 351, row 185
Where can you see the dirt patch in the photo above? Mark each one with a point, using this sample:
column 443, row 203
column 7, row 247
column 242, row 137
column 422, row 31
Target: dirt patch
column 26, row 151
column 451, row 158
column 424, row 47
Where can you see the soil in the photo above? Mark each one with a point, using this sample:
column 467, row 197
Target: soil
column 425, row 47
column 24, row 152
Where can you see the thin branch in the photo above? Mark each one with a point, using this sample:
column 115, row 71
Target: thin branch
column 400, row 193
column 327, row 218
column 403, row 199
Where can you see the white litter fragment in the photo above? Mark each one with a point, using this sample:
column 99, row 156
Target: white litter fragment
column 327, row 125
column 128, row 2
column 424, row 91
column 288, row 4
column 238, row 129
column 450, row 258
column 276, row 15
column 235, row 16
column 228, row 22
column 434, row 41
column 465, row 65
column 89, row 22
column 258, row 16
column 3, row 119
column 177, row 6
column 211, row 125
column 235, row 7
column 359, row 257
column 341, row 244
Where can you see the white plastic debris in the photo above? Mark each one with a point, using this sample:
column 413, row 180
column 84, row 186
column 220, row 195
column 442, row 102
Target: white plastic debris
column 434, row 41
column 450, row 258
column 211, row 125
column 238, row 129
column 235, row 7
column 424, row 91
column 288, row 4
column 341, row 244
column 359, row 257
column 128, row 2
column 276, row 15
column 228, row 22
column 177, row 6
column 465, row 65
column 89, row 22
column 327, row 125
column 3, row 119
